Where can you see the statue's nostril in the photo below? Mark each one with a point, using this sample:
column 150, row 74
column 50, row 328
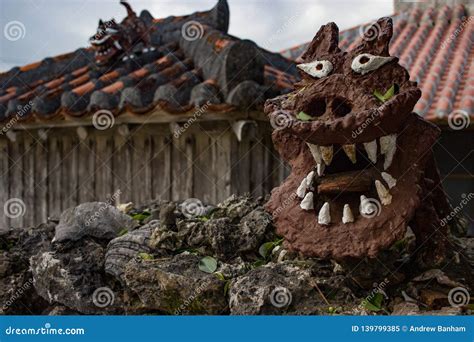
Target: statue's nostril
column 316, row 107
column 341, row 107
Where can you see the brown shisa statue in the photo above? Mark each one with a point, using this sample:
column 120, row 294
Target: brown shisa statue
column 363, row 171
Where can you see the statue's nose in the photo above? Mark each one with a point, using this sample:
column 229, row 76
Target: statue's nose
column 329, row 107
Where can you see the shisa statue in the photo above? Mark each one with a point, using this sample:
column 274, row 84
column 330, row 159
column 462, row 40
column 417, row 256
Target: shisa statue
column 363, row 171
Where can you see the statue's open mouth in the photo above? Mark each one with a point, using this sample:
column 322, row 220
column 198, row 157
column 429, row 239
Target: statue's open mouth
column 105, row 48
column 349, row 174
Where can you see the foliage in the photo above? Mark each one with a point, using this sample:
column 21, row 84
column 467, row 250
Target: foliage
column 145, row 256
column 388, row 94
column 208, row 264
column 303, row 116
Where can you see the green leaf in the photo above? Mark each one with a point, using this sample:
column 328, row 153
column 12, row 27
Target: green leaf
column 208, row 264
column 303, row 116
column 375, row 303
column 378, row 95
column 140, row 216
column 220, row 276
column 226, row 287
column 122, row 232
column 389, row 93
column 145, row 256
column 266, row 249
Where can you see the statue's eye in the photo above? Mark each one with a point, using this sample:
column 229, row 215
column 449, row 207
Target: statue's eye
column 317, row 69
column 366, row 62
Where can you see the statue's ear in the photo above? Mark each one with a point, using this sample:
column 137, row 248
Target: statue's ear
column 325, row 42
column 375, row 39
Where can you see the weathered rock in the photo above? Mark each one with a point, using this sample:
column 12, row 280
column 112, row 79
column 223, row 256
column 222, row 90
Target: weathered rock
column 72, row 277
column 274, row 289
column 95, row 219
column 176, row 286
column 237, row 227
column 121, row 249
column 229, row 240
column 17, row 294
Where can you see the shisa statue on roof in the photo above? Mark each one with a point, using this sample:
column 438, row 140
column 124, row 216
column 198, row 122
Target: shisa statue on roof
column 363, row 171
column 113, row 40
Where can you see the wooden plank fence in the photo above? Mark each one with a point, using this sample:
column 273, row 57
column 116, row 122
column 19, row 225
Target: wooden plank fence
column 49, row 170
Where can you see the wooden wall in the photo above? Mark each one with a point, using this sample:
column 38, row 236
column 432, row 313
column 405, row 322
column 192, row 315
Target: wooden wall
column 53, row 169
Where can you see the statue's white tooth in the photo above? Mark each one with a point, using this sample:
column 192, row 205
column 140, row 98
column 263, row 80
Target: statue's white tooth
column 320, row 169
column 301, row 191
column 383, row 193
column 309, row 179
column 365, row 208
column 326, row 153
column 388, row 147
column 324, row 216
column 350, row 152
column 305, row 184
column 314, row 149
column 371, row 149
column 391, row 182
column 307, row 202
column 347, row 215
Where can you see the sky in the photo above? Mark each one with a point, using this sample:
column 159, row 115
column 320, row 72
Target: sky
column 44, row 28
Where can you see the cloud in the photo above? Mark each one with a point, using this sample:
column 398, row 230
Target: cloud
column 57, row 26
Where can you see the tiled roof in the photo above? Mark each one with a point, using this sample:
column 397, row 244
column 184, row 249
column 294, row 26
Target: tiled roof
column 172, row 73
column 436, row 46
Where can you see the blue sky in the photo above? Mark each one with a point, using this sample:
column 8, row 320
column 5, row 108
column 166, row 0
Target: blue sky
column 52, row 27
